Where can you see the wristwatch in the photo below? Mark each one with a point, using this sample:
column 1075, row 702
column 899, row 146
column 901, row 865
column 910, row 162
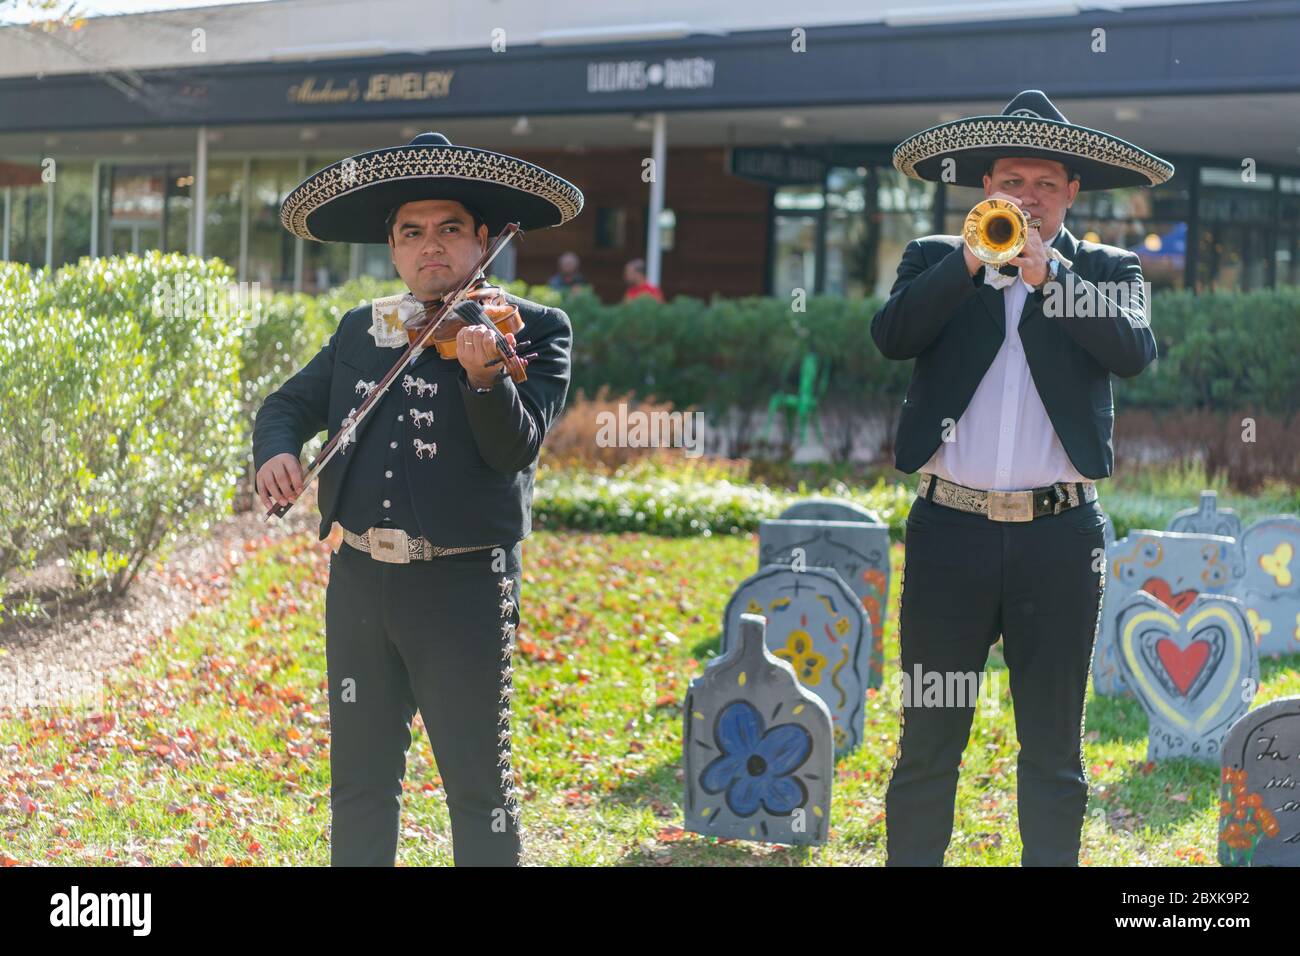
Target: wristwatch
column 1053, row 267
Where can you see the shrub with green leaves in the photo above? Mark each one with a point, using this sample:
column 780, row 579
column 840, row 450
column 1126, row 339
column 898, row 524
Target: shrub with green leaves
column 122, row 425
column 1223, row 351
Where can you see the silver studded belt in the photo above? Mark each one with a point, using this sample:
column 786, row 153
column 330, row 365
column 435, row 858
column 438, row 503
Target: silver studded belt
column 1008, row 505
column 395, row 546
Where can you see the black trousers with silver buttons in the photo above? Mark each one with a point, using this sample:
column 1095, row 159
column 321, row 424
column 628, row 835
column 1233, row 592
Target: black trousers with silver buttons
column 967, row 580
column 438, row 636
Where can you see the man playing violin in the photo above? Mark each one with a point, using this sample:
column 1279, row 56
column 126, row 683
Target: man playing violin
column 426, row 507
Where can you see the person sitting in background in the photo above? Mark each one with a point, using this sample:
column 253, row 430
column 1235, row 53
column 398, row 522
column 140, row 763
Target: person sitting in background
column 568, row 278
column 634, row 277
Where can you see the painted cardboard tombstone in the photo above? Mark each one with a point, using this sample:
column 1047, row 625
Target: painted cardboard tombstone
column 1208, row 518
column 1270, row 583
column 1194, row 671
column 1172, row 567
column 858, row 551
column 1265, row 567
column 829, row 509
column 817, row 624
column 1259, row 819
column 757, row 748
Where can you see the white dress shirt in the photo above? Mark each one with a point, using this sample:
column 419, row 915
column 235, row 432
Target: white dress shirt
column 1004, row 440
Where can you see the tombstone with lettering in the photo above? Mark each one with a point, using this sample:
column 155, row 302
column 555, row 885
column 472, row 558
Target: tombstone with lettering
column 757, row 748
column 1194, row 671
column 1173, row 568
column 818, row 625
column 857, row 550
column 1259, row 803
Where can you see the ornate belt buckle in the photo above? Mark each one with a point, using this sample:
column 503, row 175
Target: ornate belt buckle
column 1011, row 505
column 389, row 544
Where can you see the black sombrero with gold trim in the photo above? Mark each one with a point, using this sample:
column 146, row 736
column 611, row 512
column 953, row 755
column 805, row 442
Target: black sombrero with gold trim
column 349, row 201
column 1028, row 126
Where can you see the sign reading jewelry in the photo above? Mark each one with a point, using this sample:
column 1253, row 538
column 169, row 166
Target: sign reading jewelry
column 379, row 87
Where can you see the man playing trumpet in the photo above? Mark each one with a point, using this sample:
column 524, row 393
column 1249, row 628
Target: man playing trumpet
column 1008, row 417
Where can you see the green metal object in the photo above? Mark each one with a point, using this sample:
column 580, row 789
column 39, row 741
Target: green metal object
column 801, row 407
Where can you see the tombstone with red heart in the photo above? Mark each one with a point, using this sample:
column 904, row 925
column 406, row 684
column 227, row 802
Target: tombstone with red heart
column 1173, row 568
column 1195, row 671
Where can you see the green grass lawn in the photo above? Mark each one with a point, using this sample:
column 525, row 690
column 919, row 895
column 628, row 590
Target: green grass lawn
column 213, row 749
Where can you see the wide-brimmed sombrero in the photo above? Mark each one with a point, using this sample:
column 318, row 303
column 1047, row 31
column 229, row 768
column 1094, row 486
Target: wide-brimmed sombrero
column 349, row 201
column 1028, row 126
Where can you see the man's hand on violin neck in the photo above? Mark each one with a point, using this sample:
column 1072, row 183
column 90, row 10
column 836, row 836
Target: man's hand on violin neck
column 475, row 347
column 279, row 480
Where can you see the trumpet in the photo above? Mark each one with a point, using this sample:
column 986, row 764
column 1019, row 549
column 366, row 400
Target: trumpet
column 995, row 230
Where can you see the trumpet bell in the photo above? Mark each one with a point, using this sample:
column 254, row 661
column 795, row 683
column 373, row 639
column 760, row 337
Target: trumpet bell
column 995, row 230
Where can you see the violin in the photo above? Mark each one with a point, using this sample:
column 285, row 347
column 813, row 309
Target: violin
column 497, row 309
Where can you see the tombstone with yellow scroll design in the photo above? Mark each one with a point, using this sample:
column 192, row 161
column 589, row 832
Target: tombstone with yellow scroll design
column 817, row 624
column 1265, row 566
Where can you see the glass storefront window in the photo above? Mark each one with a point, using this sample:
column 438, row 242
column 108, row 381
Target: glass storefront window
column 72, row 209
column 903, row 210
column 1161, row 246
column 270, row 246
column 794, row 258
column 858, row 224
column 325, row 264
column 850, row 245
column 178, row 223
column 135, row 209
column 1287, row 249
column 377, row 261
column 27, row 224
column 1235, row 235
column 148, row 207
column 223, row 208
column 799, row 198
column 799, row 212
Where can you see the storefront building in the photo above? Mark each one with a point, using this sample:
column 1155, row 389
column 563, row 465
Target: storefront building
column 770, row 141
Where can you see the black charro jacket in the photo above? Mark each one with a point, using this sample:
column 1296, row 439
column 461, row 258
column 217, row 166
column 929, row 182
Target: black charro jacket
column 478, row 488
column 953, row 325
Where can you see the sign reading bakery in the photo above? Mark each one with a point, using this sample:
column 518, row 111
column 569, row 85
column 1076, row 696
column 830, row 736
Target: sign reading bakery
column 624, row 76
column 374, row 88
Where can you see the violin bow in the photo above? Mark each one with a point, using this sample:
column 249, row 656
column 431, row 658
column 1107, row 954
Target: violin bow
column 450, row 301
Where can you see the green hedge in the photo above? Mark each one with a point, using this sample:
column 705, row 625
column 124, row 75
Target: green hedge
column 730, row 354
column 121, row 425
column 683, row 499
column 1218, row 351
column 1223, row 352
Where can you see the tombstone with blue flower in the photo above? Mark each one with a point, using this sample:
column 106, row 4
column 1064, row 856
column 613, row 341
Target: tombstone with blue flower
column 757, row 748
